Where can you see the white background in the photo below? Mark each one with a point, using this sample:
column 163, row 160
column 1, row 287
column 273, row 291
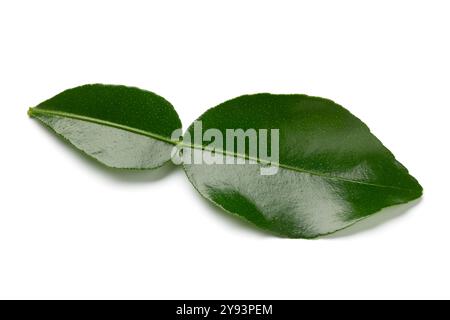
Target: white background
column 71, row 229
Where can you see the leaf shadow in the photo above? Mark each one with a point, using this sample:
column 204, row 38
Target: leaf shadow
column 227, row 217
column 235, row 221
column 117, row 174
column 374, row 220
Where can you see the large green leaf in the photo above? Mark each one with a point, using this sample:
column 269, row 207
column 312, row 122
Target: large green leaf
column 331, row 173
column 122, row 127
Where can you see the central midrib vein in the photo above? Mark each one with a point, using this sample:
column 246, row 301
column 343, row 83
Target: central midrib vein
column 32, row 111
column 288, row 167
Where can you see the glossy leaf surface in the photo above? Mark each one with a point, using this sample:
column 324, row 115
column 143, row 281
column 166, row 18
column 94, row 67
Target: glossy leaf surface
column 332, row 171
column 122, row 127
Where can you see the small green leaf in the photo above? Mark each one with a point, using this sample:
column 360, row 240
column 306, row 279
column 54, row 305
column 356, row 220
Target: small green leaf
column 122, row 127
column 331, row 170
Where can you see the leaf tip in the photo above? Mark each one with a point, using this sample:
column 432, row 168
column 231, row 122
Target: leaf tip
column 30, row 112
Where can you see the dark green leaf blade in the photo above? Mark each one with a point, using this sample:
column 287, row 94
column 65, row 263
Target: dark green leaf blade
column 332, row 170
column 122, row 127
